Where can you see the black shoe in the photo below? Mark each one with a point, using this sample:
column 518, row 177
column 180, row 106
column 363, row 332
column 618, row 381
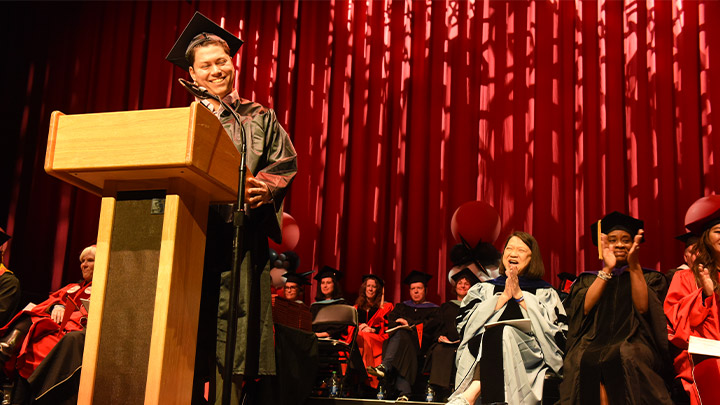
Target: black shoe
column 378, row 371
column 10, row 343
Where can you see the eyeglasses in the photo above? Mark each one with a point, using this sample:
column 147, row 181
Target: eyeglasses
column 293, row 287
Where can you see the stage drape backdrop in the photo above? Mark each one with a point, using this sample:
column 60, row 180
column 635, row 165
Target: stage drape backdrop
column 554, row 112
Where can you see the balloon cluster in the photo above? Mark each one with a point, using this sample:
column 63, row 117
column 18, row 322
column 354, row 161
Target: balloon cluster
column 287, row 260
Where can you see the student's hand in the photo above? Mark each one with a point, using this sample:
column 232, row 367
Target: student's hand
column 609, row 259
column 707, row 284
column 402, row 321
column 257, row 192
column 634, row 253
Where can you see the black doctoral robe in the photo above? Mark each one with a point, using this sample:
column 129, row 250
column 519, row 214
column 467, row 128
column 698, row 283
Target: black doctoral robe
column 617, row 345
column 440, row 361
column 406, row 359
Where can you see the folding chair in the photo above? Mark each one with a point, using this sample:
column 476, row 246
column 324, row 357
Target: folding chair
column 335, row 355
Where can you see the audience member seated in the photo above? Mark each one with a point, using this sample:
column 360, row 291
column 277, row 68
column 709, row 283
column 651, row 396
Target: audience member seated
column 372, row 321
column 293, row 289
column 691, row 305
column 617, row 349
column 32, row 334
column 329, row 293
column 513, row 331
column 689, row 239
column 409, row 343
column 440, row 361
column 9, row 285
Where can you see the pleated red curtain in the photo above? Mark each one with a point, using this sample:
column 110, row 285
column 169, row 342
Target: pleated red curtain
column 554, row 112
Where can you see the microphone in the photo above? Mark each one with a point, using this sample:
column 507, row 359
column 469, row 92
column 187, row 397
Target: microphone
column 197, row 91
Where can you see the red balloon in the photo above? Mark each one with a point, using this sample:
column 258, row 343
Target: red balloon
column 701, row 212
column 475, row 221
column 290, row 235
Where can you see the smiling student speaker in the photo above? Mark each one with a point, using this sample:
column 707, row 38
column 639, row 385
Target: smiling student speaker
column 205, row 50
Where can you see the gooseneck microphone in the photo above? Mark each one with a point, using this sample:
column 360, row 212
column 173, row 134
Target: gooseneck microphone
column 197, row 91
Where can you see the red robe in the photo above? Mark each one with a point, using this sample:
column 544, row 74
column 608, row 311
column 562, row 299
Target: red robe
column 370, row 344
column 688, row 315
column 44, row 333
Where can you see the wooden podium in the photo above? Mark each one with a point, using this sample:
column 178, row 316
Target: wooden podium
column 157, row 171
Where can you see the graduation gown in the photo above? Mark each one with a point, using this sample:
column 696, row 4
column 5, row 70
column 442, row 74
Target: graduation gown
column 440, row 361
column 616, row 344
column 271, row 158
column 689, row 313
column 370, row 343
column 512, row 363
column 414, row 343
column 44, row 333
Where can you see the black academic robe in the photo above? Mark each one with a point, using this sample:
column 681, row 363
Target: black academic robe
column 440, row 361
column 410, row 350
column 9, row 294
column 271, row 158
column 615, row 344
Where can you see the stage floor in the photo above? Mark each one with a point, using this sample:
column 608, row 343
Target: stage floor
column 356, row 401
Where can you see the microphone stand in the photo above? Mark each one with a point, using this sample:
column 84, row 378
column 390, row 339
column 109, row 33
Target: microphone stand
column 239, row 217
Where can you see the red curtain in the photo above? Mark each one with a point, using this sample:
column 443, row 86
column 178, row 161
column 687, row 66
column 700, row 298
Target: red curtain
column 554, row 112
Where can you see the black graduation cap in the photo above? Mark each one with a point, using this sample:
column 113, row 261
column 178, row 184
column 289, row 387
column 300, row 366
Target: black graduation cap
column 417, row 277
column 377, row 279
column 467, row 274
column 688, row 238
column 4, row 237
column 191, row 37
column 614, row 221
column 328, row 271
column 299, row 279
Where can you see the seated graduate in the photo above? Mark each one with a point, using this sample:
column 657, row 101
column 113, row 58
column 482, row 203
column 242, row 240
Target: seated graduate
column 372, row 322
column 329, row 293
column 691, row 305
column 617, row 350
column 440, row 361
column 512, row 329
column 409, row 342
column 293, row 288
column 32, row 333
column 689, row 239
column 9, row 285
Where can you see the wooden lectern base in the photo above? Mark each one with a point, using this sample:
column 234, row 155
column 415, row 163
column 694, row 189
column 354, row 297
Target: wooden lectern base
column 148, row 333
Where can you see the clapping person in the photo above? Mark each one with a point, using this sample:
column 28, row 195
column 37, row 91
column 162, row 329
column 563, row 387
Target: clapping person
column 512, row 329
column 617, row 349
column 691, row 305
